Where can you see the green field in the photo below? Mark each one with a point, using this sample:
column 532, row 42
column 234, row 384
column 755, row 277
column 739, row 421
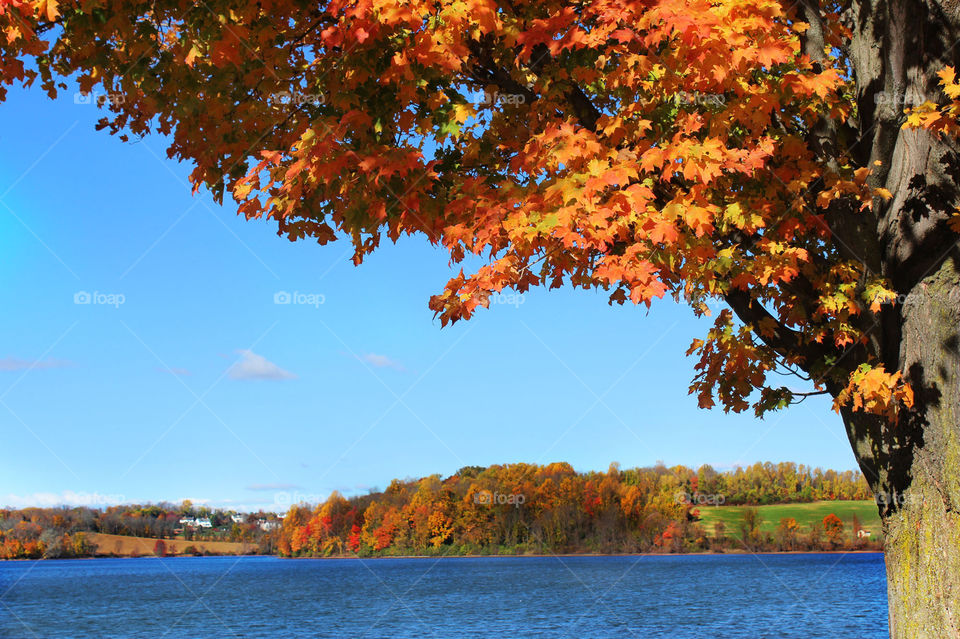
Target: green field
column 805, row 514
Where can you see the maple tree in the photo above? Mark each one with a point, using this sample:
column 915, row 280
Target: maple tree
column 796, row 160
column 833, row 526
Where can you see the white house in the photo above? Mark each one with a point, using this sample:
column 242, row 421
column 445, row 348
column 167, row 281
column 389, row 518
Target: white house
column 268, row 525
column 238, row 519
column 863, row 534
column 198, row 522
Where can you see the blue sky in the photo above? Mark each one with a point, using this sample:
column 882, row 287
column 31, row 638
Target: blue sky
column 181, row 377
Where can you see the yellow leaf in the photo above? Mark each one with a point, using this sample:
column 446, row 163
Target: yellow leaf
column 947, row 75
column 241, row 191
column 191, row 56
column 49, row 7
column 461, row 112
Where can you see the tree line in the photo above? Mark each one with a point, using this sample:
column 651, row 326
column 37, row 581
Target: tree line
column 528, row 508
column 63, row 532
column 511, row 508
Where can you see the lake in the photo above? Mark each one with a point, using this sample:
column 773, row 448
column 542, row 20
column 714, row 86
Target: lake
column 804, row 595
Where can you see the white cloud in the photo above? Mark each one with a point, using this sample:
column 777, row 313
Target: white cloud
column 382, row 361
column 15, row 364
column 64, row 498
column 253, row 366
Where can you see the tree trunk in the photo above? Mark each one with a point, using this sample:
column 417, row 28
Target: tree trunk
column 914, row 465
column 922, row 528
column 897, row 48
column 923, row 565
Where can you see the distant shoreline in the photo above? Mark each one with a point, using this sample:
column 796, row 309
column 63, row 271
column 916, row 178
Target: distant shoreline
column 586, row 554
column 498, row 556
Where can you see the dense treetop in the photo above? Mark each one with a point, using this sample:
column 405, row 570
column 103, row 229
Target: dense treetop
column 646, row 148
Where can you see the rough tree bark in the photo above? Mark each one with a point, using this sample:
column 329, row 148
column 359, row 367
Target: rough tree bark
column 913, row 465
column 922, row 526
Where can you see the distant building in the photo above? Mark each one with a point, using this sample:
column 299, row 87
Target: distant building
column 863, row 534
column 238, row 519
column 197, row 522
column 268, row 525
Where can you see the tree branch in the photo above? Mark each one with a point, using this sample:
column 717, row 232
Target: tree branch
column 488, row 71
column 784, row 341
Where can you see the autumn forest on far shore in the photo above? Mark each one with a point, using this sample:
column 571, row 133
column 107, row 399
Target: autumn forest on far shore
column 512, row 509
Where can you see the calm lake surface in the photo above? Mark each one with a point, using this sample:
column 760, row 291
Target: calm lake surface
column 818, row 595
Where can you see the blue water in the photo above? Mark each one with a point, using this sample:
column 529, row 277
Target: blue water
column 736, row 596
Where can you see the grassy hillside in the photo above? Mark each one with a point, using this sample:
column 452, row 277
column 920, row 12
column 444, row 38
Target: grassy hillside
column 805, row 514
column 124, row 546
